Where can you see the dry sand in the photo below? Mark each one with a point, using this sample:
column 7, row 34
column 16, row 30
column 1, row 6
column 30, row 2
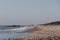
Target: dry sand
column 50, row 32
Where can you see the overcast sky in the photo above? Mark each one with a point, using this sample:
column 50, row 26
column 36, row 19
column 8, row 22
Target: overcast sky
column 29, row 11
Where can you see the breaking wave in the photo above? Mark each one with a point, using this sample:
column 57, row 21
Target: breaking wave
column 14, row 29
column 19, row 29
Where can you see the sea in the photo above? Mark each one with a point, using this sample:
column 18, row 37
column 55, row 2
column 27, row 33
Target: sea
column 13, row 32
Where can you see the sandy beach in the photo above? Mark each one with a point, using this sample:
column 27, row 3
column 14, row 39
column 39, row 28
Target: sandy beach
column 50, row 32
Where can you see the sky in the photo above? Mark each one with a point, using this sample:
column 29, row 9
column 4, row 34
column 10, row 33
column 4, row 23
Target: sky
column 29, row 11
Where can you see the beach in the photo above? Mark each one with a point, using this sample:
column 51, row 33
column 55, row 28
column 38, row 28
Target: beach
column 49, row 32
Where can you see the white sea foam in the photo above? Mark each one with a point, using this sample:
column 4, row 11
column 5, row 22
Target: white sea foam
column 15, row 29
column 19, row 29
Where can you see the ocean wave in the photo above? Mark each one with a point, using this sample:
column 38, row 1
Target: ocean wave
column 18, row 29
column 14, row 29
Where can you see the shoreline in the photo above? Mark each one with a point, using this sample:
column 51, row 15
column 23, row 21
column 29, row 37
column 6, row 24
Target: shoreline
column 43, row 33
